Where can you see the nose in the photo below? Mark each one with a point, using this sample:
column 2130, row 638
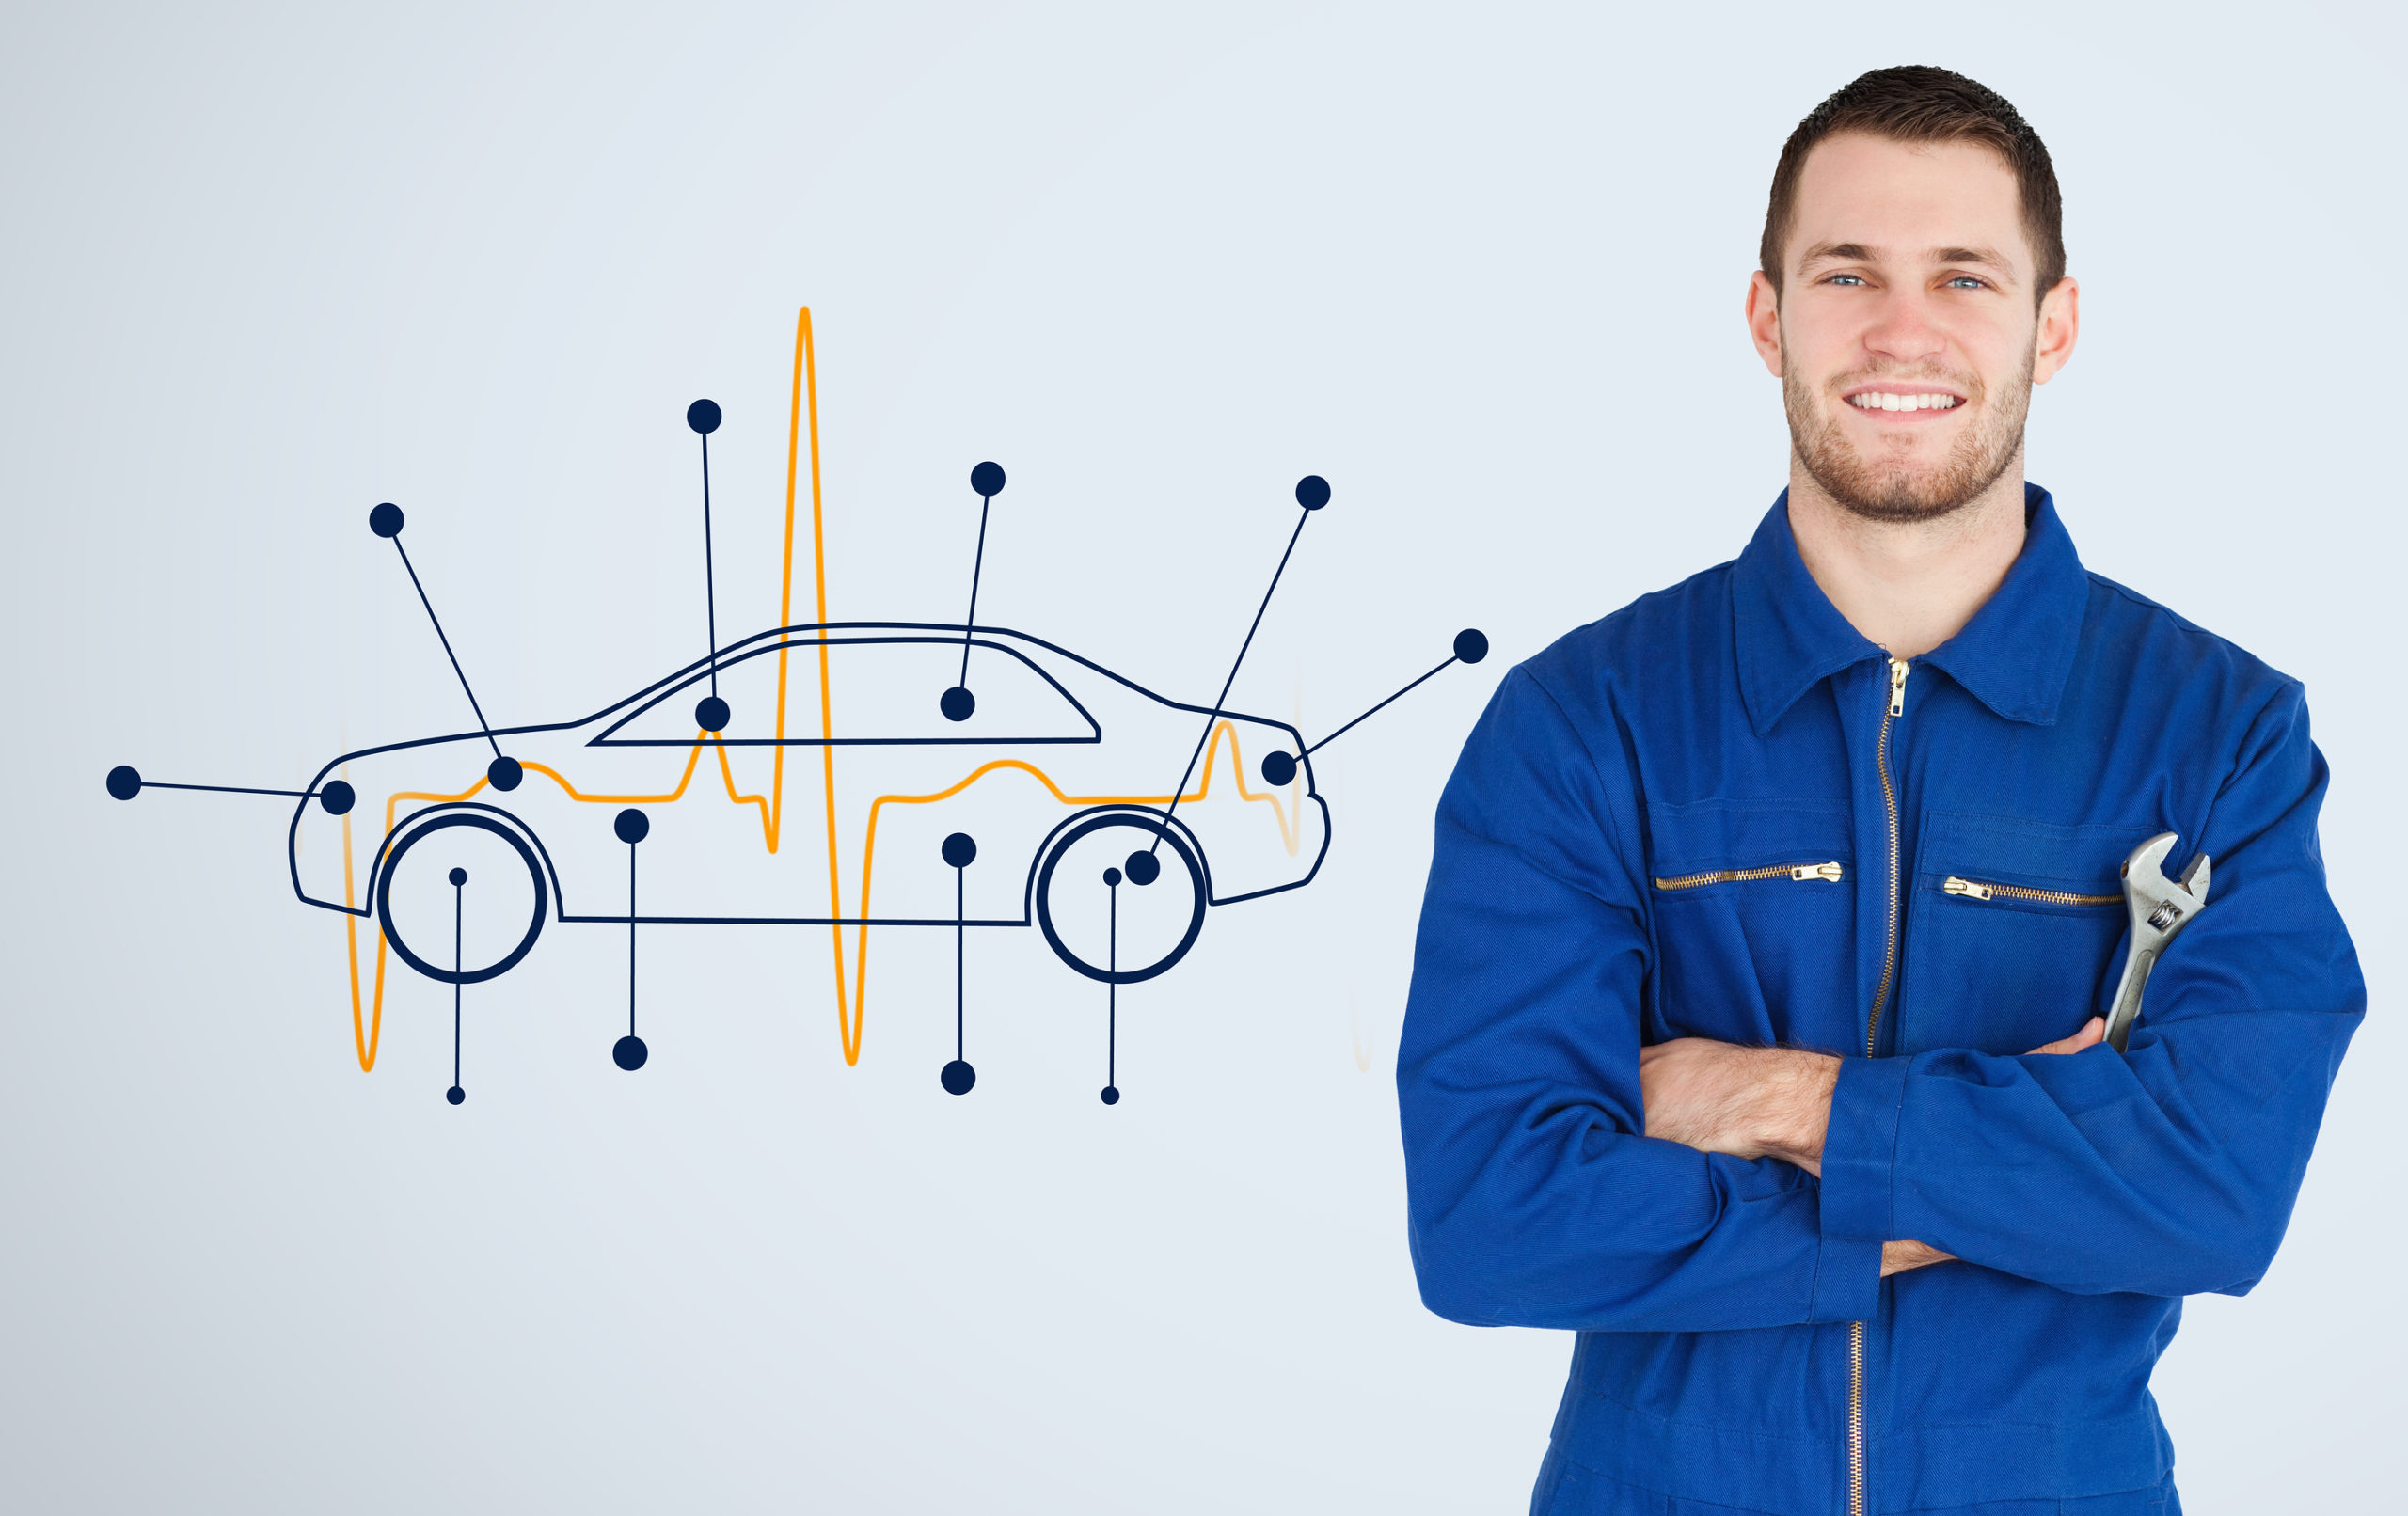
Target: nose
column 1904, row 330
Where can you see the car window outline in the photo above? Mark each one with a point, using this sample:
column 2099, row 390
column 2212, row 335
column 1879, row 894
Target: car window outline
column 674, row 685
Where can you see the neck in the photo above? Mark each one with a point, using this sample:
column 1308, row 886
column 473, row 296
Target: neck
column 1909, row 586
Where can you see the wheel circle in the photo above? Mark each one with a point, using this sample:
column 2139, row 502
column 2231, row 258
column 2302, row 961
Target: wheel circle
column 1062, row 846
column 392, row 865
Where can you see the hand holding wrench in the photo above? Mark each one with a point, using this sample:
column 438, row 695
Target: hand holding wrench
column 2160, row 907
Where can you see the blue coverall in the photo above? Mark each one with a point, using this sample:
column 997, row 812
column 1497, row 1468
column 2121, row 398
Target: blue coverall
column 1721, row 812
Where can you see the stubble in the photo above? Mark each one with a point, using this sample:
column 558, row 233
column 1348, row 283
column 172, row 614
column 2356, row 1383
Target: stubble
column 1899, row 489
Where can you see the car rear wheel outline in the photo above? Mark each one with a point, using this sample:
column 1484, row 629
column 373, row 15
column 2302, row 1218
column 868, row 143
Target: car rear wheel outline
column 393, row 864
column 1140, row 822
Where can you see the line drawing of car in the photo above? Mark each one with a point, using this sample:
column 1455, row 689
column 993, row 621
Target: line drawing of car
column 1097, row 732
column 1066, row 754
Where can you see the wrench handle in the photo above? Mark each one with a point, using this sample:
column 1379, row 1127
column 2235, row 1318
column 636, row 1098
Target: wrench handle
column 2127, row 1009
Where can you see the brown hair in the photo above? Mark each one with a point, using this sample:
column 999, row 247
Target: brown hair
column 1917, row 104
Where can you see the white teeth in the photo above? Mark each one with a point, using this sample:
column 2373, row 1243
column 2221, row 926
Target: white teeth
column 1881, row 401
column 1892, row 402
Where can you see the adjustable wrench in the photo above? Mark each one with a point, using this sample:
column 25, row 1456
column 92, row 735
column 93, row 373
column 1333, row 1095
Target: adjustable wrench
column 2160, row 907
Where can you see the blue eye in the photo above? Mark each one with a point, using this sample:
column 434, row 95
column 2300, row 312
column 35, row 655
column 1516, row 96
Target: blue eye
column 1845, row 278
column 1966, row 281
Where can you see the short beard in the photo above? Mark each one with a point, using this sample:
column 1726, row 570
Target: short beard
column 1892, row 492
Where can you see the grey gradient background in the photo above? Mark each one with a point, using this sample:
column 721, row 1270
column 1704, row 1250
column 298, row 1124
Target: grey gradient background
column 1482, row 267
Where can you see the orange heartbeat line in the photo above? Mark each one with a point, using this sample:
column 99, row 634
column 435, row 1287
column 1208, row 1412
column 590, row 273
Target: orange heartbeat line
column 367, row 1030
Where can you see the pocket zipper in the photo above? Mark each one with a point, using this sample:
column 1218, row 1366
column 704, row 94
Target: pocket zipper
column 1832, row 872
column 1971, row 891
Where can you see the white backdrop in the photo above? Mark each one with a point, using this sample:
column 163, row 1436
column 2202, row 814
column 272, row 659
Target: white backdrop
column 1482, row 268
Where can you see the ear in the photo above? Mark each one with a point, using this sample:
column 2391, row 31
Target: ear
column 1764, row 321
column 2059, row 323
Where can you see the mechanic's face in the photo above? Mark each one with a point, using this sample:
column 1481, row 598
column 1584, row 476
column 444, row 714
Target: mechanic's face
column 1905, row 339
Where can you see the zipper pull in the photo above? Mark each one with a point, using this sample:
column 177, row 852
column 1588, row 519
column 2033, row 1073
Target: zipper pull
column 1955, row 886
column 1897, row 686
column 1817, row 871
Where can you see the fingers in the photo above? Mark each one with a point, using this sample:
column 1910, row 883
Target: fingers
column 1898, row 1257
column 2092, row 1031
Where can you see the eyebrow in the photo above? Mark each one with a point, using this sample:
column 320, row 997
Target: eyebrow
column 1990, row 257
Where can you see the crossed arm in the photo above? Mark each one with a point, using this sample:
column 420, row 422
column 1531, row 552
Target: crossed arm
column 1770, row 1102
column 1560, row 1174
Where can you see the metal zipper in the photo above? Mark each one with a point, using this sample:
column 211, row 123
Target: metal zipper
column 1971, row 891
column 1833, row 872
column 1896, row 708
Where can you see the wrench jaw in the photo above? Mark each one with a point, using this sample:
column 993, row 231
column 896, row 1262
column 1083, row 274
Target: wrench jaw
column 2145, row 867
column 2144, row 876
column 2159, row 909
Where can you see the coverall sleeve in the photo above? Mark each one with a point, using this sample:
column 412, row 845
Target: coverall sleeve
column 1533, row 1199
column 2169, row 1169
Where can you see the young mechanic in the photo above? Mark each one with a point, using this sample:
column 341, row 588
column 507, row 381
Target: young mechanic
column 1754, row 1030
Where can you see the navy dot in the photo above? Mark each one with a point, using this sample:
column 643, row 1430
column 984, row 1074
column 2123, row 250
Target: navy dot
column 386, row 521
column 987, row 479
column 505, row 773
column 1112, row 1095
column 961, row 850
column 1471, row 645
column 956, row 1078
column 336, row 797
column 458, row 877
column 702, row 416
column 632, row 826
column 711, row 714
column 630, row 1052
column 1144, row 867
column 956, row 704
column 1112, row 879
column 456, row 1094
column 125, row 781
column 1278, row 768
column 1312, row 492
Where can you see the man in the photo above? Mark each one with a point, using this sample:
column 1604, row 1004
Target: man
column 1754, row 1024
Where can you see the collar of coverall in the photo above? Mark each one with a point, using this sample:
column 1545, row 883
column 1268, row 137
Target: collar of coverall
column 2013, row 657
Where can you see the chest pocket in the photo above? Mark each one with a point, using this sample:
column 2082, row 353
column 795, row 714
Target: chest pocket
column 2012, row 929
column 1754, row 912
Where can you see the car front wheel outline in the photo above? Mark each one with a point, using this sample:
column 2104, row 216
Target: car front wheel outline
column 1145, row 825
column 392, row 865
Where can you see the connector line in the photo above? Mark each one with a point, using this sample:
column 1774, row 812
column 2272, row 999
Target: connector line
column 1303, row 516
column 1112, row 993
column 482, row 724
column 710, row 600
column 631, row 939
column 960, row 953
column 1375, row 710
column 459, row 911
column 986, row 503
column 228, row 789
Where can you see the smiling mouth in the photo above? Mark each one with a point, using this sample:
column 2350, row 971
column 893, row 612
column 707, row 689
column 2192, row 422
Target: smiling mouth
column 1890, row 400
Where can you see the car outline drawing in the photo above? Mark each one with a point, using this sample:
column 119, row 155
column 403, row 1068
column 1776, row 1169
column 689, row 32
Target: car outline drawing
column 1145, row 815
column 1195, row 834
column 1063, row 738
